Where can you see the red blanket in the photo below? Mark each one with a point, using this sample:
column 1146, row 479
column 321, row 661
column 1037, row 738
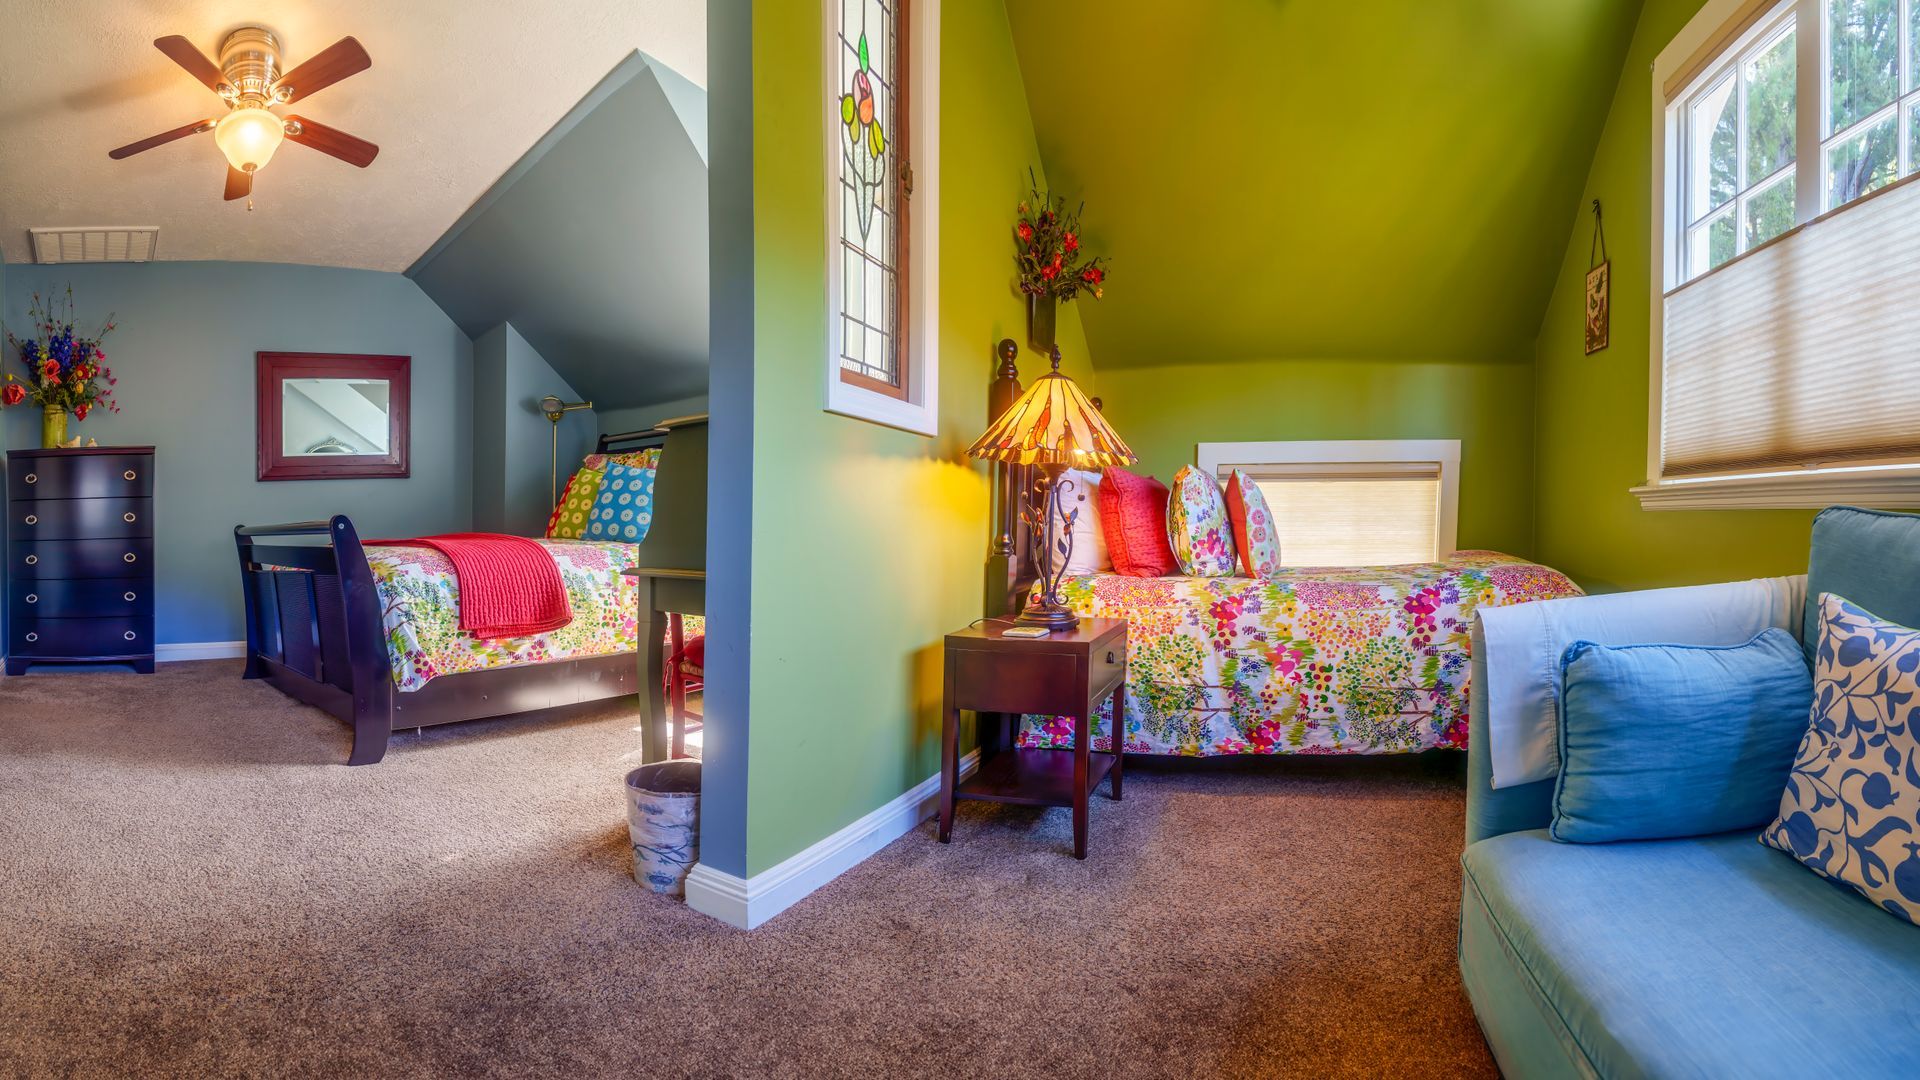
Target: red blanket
column 509, row 585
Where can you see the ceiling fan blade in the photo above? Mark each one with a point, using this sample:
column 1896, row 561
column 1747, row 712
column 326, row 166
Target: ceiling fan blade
column 161, row 139
column 326, row 67
column 331, row 141
column 182, row 52
column 239, row 184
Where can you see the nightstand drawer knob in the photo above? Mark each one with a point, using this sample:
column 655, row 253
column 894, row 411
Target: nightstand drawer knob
column 127, row 517
column 31, row 636
column 128, row 475
column 1112, row 659
column 33, row 598
column 33, row 519
column 32, row 559
column 131, row 635
column 128, row 596
column 128, row 557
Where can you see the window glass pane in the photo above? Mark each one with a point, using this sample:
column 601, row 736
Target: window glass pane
column 1913, row 126
column 1770, row 108
column 1715, row 140
column 1863, row 58
column 1711, row 243
column 1770, row 212
column 1860, row 163
column 868, row 130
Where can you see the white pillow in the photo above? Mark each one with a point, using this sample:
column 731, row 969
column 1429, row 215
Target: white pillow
column 1089, row 539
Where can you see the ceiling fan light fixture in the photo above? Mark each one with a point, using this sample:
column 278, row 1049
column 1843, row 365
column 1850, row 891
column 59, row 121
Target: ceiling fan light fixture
column 248, row 137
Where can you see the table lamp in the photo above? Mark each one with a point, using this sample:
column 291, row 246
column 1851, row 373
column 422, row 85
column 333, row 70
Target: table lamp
column 1055, row 427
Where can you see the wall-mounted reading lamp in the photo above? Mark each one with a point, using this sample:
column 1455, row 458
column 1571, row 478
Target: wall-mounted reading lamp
column 554, row 409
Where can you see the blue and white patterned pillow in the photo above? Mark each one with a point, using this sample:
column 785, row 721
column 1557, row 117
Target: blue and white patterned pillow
column 1851, row 811
column 623, row 510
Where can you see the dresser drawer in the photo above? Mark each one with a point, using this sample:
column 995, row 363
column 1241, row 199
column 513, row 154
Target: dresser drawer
column 80, row 476
column 96, row 598
column 79, row 519
column 54, row 559
column 80, row 639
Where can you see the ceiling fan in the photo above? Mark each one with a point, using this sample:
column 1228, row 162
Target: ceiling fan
column 249, row 79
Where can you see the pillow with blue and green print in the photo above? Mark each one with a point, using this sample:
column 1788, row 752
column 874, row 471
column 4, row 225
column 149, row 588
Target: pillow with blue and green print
column 623, row 509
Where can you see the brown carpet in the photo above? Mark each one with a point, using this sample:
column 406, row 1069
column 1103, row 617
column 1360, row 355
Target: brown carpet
column 191, row 886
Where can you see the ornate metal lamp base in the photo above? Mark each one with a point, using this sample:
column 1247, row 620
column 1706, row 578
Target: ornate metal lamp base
column 1052, row 616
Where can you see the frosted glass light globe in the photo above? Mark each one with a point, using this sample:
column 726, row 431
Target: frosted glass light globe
column 248, row 137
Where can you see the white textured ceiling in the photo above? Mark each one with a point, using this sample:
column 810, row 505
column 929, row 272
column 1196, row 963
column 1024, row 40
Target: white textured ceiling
column 459, row 90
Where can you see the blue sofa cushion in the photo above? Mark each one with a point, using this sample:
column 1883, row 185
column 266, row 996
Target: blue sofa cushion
column 1851, row 805
column 1676, row 740
column 1707, row 956
column 1871, row 557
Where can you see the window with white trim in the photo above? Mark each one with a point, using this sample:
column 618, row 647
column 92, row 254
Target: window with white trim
column 1786, row 132
column 1351, row 502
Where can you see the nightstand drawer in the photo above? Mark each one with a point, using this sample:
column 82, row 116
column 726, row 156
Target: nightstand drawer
column 86, row 599
column 79, row 519
column 1034, row 682
column 59, row 559
column 80, row 638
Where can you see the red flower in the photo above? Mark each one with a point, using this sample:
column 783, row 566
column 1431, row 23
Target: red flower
column 13, row 394
column 1073, row 243
column 50, row 369
column 1049, row 272
column 80, row 411
column 1025, row 232
column 1093, row 275
column 1055, row 265
column 863, row 96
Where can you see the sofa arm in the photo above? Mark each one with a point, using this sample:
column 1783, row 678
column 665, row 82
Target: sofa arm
column 1492, row 811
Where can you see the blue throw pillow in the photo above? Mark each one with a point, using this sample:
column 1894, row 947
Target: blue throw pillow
column 1851, row 809
column 1871, row 557
column 1676, row 740
column 623, row 510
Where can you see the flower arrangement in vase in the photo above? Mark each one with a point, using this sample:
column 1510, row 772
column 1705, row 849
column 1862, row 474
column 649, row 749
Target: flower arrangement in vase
column 1053, row 266
column 65, row 373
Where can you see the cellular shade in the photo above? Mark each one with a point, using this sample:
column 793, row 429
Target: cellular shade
column 1804, row 353
column 1353, row 513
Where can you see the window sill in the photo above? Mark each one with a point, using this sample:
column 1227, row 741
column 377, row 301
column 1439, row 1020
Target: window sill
column 1881, row 489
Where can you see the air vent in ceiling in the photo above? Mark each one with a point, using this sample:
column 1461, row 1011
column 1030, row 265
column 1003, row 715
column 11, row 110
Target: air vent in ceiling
column 105, row 243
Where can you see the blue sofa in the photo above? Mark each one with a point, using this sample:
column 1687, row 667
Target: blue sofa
column 1706, row 956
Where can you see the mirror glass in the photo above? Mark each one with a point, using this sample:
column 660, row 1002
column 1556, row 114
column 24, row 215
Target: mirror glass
column 329, row 417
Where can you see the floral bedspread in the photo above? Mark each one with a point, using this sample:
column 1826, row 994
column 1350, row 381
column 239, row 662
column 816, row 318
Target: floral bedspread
column 1345, row 660
column 420, row 609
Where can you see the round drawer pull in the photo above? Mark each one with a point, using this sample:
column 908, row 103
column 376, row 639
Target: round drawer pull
column 30, row 478
column 128, row 516
column 128, row 557
column 128, row 475
column 31, row 636
column 32, row 559
column 33, row 598
column 130, row 635
column 128, row 596
column 33, row 519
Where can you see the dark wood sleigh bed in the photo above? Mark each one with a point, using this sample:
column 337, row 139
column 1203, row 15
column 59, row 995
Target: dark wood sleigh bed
column 314, row 632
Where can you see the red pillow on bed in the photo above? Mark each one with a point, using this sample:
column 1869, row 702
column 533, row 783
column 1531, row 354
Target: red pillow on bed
column 1133, row 514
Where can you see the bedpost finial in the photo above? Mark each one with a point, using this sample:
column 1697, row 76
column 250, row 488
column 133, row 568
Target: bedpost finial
column 1056, row 358
column 1007, row 350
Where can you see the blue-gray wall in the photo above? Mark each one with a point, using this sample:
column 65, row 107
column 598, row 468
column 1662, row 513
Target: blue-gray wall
column 594, row 245
column 513, row 441
column 641, row 417
column 184, row 355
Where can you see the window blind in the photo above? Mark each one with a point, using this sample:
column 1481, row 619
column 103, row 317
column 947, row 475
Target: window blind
column 1803, row 353
column 1352, row 513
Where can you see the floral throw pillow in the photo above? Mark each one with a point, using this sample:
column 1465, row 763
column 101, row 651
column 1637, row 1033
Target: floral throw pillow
column 569, row 520
column 1255, row 534
column 623, row 510
column 1198, row 526
column 1851, row 811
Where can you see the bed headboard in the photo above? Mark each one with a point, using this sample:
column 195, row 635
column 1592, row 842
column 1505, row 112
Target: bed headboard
column 631, row 440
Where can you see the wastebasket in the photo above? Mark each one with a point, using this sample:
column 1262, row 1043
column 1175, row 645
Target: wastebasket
column 663, row 821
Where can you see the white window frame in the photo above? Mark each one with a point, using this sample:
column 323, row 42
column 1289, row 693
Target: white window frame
column 919, row 412
column 1889, row 484
column 1212, row 457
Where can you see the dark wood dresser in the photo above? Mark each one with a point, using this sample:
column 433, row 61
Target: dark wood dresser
column 80, row 557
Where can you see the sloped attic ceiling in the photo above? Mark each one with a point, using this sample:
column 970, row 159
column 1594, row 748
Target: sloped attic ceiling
column 1289, row 178
column 594, row 245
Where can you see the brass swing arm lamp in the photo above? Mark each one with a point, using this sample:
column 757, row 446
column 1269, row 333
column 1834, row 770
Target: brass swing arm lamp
column 554, row 409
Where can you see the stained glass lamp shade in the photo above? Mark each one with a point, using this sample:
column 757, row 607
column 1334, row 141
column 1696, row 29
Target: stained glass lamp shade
column 1054, row 426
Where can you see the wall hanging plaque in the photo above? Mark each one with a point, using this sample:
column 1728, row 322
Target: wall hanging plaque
column 1598, row 310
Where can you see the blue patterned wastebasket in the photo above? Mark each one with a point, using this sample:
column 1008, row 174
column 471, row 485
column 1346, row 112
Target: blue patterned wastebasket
column 663, row 821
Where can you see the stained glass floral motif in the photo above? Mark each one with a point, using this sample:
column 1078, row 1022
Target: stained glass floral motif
column 866, row 145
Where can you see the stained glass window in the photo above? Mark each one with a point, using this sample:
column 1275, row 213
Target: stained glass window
column 871, row 110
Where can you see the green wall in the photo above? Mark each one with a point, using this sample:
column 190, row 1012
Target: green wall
column 870, row 543
column 1591, row 412
column 1162, row 412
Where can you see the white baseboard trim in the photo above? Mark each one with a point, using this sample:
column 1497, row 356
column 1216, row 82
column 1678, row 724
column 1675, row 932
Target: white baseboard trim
column 748, row 902
column 200, row 650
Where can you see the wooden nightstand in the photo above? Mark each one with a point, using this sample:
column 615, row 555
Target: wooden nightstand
column 1065, row 674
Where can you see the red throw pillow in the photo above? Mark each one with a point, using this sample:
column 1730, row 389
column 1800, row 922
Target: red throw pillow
column 1255, row 537
column 1133, row 514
